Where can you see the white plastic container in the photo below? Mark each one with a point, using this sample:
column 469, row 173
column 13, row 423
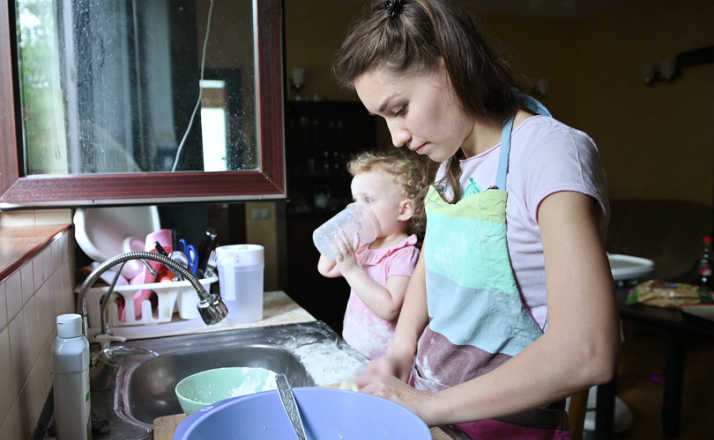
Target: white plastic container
column 240, row 277
column 71, row 390
column 355, row 218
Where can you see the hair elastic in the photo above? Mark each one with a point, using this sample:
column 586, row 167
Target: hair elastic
column 393, row 7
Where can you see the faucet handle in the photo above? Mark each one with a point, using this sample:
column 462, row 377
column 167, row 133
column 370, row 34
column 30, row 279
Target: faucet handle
column 105, row 340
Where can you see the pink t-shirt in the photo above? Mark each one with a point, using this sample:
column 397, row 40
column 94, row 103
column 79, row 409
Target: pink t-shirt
column 546, row 156
column 362, row 328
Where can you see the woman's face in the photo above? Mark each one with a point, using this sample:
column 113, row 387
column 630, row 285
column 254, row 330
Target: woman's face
column 421, row 110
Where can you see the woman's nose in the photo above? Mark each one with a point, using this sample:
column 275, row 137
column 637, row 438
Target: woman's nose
column 400, row 135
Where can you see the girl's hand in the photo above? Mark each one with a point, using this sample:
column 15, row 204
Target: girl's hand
column 389, row 366
column 344, row 250
column 377, row 380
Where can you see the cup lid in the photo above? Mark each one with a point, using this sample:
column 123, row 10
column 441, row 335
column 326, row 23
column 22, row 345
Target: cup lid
column 69, row 325
column 241, row 254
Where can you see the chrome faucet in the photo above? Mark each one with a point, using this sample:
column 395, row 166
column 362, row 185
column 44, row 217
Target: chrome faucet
column 210, row 306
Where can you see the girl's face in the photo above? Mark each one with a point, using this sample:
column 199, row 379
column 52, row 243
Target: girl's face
column 421, row 110
column 380, row 190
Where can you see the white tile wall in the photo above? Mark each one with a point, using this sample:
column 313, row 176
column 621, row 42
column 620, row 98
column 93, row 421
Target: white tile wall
column 3, row 305
column 18, row 360
column 30, row 298
column 7, row 394
column 13, row 427
column 27, row 280
column 13, row 291
column 27, row 217
column 22, row 217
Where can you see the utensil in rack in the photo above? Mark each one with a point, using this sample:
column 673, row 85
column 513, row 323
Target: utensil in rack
column 191, row 254
column 291, row 408
column 180, row 258
column 205, row 247
column 160, row 249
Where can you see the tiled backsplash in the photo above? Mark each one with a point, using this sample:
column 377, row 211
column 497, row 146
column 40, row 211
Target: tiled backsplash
column 30, row 299
column 27, row 217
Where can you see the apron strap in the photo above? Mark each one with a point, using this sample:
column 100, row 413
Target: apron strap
column 532, row 105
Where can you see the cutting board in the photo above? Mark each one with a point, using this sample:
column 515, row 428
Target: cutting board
column 165, row 426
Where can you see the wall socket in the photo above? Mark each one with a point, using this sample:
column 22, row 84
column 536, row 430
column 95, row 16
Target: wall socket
column 260, row 214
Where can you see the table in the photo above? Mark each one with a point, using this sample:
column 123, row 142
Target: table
column 676, row 325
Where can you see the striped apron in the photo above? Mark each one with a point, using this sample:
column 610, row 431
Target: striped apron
column 477, row 316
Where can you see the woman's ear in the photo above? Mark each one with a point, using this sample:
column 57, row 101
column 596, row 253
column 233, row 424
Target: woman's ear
column 406, row 210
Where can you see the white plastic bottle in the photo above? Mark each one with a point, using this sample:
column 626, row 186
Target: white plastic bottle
column 71, row 392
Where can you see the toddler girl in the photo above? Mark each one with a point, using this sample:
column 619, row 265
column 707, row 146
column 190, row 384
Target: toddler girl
column 393, row 184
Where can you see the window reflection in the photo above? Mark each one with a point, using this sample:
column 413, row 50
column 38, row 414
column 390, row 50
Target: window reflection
column 213, row 127
column 111, row 86
column 41, row 94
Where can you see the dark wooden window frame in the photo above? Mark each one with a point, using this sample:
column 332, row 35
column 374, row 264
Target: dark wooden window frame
column 20, row 190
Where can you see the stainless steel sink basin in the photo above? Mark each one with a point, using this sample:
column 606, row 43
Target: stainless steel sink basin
column 151, row 385
column 140, row 387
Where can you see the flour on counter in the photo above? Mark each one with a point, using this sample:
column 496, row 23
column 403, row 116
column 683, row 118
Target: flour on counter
column 328, row 363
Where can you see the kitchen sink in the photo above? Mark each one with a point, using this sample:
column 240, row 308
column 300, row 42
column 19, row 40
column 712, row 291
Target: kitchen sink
column 150, row 389
column 136, row 385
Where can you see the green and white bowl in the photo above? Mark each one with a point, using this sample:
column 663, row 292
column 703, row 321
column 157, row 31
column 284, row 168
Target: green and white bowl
column 211, row 386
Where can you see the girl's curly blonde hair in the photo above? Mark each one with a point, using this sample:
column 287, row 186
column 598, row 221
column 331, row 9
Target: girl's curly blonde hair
column 413, row 173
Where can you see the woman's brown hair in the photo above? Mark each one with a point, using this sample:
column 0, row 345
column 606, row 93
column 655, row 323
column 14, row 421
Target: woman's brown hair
column 413, row 36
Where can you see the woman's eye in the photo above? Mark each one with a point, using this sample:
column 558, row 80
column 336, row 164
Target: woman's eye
column 368, row 200
column 401, row 111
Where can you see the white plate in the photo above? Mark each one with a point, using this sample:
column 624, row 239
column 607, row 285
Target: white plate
column 627, row 267
column 100, row 232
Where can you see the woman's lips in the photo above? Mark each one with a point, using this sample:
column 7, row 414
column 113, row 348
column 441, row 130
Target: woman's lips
column 420, row 149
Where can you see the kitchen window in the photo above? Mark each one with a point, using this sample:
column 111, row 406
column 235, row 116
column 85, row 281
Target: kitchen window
column 139, row 101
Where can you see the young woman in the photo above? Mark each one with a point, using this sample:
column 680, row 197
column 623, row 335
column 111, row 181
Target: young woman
column 392, row 184
column 511, row 305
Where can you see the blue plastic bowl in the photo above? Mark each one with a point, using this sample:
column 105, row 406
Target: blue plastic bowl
column 326, row 413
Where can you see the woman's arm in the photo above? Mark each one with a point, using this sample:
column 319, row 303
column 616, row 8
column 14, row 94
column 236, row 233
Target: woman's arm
column 577, row 350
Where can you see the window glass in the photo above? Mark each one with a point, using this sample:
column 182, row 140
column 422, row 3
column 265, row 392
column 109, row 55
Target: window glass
column 136, row 85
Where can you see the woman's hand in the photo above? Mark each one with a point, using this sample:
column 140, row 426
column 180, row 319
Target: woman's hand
column 379, row 380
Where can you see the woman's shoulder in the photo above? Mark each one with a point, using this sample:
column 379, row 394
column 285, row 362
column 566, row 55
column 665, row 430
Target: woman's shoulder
column 545, row 131
column 542, row 141
column 549, row 156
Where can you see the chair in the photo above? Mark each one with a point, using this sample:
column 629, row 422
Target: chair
column 576, row 414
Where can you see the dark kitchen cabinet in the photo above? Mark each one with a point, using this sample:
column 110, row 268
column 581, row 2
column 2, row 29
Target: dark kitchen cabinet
column 321, row 137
